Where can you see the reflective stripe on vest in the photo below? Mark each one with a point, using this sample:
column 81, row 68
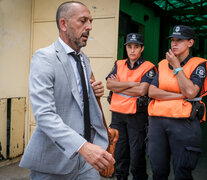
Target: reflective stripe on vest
column 178, row 108
column 126, row 95
column 127, row 104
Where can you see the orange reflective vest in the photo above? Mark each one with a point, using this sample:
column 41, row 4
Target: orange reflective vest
column 122, row 103
column 167, row 81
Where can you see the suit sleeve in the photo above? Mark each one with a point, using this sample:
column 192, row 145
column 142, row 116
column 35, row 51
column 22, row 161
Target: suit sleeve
column 41, row 90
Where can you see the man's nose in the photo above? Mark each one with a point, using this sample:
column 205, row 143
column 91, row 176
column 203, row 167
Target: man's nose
column 89, row 26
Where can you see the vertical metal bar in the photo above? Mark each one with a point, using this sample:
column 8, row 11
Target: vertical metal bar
column 8, row 124
column 3, row 129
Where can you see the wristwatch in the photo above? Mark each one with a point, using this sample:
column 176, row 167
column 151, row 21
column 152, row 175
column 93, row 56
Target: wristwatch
column 175, row 71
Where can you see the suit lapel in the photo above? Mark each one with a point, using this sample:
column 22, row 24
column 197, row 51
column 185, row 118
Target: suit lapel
column 63, row 57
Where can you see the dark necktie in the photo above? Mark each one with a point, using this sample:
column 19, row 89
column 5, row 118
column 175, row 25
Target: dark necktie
column 87, row 124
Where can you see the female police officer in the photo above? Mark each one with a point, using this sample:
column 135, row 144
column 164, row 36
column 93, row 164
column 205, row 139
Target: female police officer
column 129, row 79
column 173, row 126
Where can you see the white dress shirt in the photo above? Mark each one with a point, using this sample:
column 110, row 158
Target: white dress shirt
column 69, row 50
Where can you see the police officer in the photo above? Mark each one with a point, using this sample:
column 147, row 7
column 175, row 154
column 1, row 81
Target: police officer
column 129, row 81
column 175, row 111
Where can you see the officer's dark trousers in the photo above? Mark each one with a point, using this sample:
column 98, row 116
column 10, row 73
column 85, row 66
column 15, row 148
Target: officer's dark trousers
column 130, row 146
column 180, row 138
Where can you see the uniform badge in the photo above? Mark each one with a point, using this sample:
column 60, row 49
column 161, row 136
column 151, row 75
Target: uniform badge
column 150, row 74
column 177, row 29
column 200, row 71
column 134, row 37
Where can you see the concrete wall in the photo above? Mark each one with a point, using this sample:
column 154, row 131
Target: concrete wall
column 15, row 50
column 15, row 30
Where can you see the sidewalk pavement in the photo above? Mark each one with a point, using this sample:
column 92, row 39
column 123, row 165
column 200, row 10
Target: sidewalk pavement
column 14, row 172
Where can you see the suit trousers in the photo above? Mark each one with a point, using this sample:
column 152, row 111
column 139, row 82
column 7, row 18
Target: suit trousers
column 82, row 171
column 130, row 147
column 180, row 138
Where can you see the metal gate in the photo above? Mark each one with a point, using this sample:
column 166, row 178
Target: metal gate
column 12, row 123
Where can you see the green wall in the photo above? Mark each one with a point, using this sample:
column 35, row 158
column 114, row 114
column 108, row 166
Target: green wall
column 151, row 29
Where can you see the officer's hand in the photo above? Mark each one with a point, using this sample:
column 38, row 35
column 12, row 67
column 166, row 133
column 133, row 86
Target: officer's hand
column 96, row 156
column 98, row 88
column 114, row 77
column 172, row 59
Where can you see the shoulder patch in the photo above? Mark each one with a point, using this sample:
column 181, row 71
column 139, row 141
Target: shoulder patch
column 200, row 71
column 150, row 74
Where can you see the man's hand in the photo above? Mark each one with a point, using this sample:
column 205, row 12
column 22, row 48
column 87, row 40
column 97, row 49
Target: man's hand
column 98, row 88
column 96, row 156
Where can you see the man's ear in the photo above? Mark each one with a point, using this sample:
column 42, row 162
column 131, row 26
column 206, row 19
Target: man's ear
column 63, row 24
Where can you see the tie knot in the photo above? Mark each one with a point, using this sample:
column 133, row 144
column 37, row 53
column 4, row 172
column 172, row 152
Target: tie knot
column 75, row 56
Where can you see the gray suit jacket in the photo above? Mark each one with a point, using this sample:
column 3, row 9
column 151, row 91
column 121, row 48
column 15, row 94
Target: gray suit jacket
column 56, row 106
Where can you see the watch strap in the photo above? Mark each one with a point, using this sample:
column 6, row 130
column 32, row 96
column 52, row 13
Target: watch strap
column 175, row 71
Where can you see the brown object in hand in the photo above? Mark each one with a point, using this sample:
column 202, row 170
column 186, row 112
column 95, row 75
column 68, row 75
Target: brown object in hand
column 113, row 135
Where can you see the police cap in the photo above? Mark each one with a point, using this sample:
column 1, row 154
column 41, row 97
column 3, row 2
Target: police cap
column 134, row 38
column 182, row 32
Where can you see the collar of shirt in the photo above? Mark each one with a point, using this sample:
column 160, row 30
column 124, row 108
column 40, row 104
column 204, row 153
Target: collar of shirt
column 67, row 48
column 137, row 63
column 183, row 62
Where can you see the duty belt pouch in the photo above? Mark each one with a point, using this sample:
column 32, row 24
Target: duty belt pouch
column 142, row 103
column 197, row 110
column 109, row 97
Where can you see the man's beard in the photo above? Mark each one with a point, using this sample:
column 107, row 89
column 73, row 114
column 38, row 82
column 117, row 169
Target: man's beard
column 80, row 44
column 76, row 41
